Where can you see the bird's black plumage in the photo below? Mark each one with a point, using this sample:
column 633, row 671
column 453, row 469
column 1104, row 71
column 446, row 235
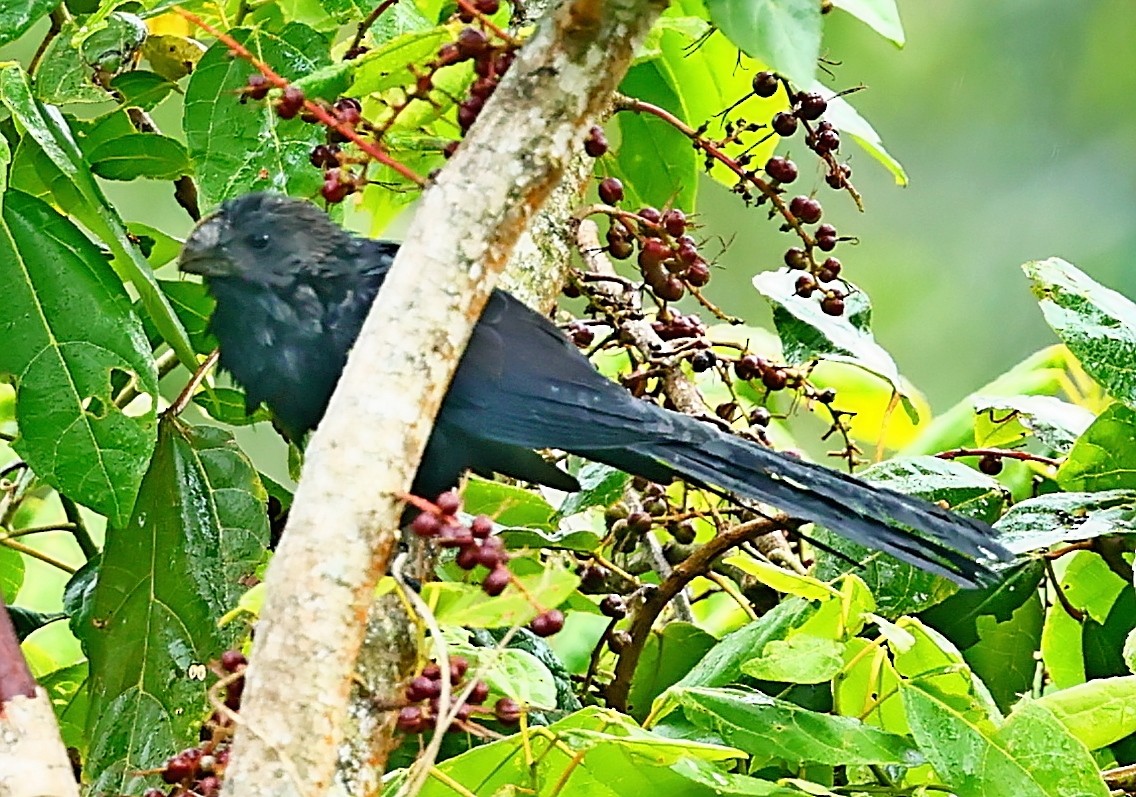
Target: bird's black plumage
column 292, row 291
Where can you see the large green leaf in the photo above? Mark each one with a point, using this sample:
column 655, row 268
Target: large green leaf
column 1097, row 324
column 1002, row 422
column 1062, row 517
column 1099, row 712
column 240, row 147
column 48, row 129
column 766, row 727
column 140, row 155
column 198, row 531
column 782, row 33
column 1030, row 755
column 1103, row 458
column 16, row 16
column 881, row 15
column 69, row 330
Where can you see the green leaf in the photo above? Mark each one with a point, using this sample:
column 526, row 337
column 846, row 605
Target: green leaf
column 767, row 727
column 47, row 128
column 1005, row 656
column 63, row 77
column 600, row 485
column 782, row 33
column 1098, row 713
column 237, row 148
column 1053, row 518
column 11, row 574
column 1097, row 324
column 142, row 89
column 1103, row 457
column 592, row 752
column 16, row 16
column 26, row 621
column 67, row 690
column 667, row 656
column 227, row 405
column 140, row 155
column 70, row 330
column 801, row 659
column 656, row 162
column 507, row 504
column 900, row 588
column 198, row 531
column 880, row 15
column 1002, row 422
column 1090, row 586
column 1031, row 755
column 957, row 616
column 806, row 332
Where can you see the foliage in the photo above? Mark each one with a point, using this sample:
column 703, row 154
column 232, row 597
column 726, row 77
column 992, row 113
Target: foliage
column 842, row 672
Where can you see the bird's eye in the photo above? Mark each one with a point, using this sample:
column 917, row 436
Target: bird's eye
column 259, row 241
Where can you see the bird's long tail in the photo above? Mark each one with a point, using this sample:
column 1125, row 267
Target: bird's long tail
column 948, row 544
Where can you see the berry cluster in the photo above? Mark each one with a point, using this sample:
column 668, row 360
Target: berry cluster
column 199, row 771
column 423, row 695
column 668, row 257
column 476, row 546
column 490, row 62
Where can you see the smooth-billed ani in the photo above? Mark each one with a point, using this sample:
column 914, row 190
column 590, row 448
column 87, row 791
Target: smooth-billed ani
column 292, row 290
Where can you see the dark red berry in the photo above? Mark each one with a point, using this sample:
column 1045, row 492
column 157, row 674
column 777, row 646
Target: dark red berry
column 619, row 641
column 422, row 688
column 459, row 665
column 495, row 582
column 621, row 248
column 838, row 179
column 432, row 671
column 613, row 606
column 479, row 693
column 258, row 86
column 507, row 710
column 703, row 361
column 448, row 503
column 334, row 188
column 653, row 253
column 547, row 623
column 233, row 660
column 178, row 768
column 829, row 270
column 765, row 84
column 611, row 190
column 348, row 110
column 639, row 522
column 468, row 111
column 581, row 334
column 990, row 464
column 596, row 142
column 153, row 793
column 471, row 42
column 670, row 290
column 467, row 558
column 810, row 106
column 832, row 304
column 825, row 244
column 651, row 215
column 826, row 231
column 784, row 124
column 805, row 286
column 806, row 209
column 698, row 275
column 491, row 552
column 487, row 7
column 781, row 169
column 774, row 378
column 796, row 258
column 674, row 222
column 826, row 141
column 411, row 719
column 481, row 527
column 760, row 417
column 324, row 156
column 290, row 104
column 748, row 367
column 426, row 524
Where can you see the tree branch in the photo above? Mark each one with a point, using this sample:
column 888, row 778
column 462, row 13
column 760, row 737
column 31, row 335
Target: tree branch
column 343, row 525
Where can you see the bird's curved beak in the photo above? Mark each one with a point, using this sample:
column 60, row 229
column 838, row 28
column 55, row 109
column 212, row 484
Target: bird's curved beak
column 202, row 252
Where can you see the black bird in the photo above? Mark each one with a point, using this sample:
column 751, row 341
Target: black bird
column 293, row 288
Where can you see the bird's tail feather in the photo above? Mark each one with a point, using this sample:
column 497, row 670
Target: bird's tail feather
column 949, row 544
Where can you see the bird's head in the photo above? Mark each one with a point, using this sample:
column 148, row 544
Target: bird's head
column 263, row 238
